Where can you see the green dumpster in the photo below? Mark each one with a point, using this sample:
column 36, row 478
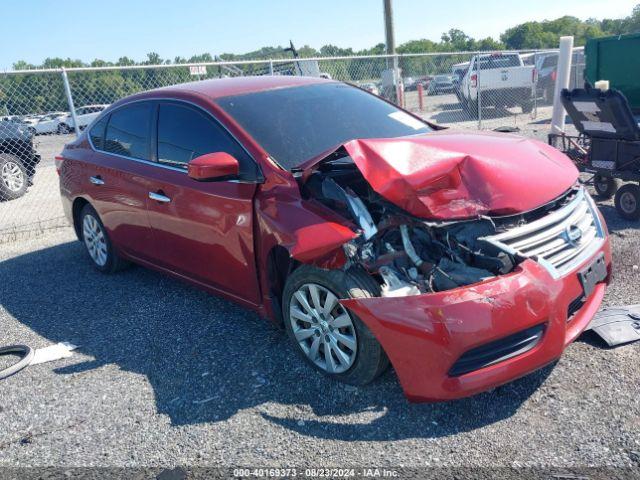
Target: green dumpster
column 616, row 59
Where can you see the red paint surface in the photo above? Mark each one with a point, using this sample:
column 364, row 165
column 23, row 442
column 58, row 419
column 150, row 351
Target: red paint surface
column 450, row 175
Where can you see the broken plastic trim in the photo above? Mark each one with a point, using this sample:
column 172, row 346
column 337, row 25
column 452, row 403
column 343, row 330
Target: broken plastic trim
column 617, row 325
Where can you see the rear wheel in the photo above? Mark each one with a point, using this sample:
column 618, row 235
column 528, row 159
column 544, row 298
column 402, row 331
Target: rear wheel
column 13, row 177
column 627, row 201
column 527, row 107
column 606, row 187
column 472, row 107
column 328, row 336
column 97, row 242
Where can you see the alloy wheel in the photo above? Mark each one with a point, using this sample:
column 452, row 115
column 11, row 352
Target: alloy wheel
column 323, row 328
column 12, row 176
column 94, row 240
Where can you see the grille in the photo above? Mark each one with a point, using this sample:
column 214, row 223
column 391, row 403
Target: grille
column 559, row 241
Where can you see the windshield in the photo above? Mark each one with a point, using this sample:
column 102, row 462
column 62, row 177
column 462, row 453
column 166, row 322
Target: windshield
column 296, row 124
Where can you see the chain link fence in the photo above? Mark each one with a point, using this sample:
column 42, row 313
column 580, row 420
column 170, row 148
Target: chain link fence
column 463, row 90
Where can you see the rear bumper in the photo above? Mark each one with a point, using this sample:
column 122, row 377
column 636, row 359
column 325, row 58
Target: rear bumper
column 425, row 335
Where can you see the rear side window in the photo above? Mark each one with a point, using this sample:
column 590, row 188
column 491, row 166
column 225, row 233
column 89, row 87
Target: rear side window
column 185, row 133
column 97, row 133
column 498, row 61
column 128, row 131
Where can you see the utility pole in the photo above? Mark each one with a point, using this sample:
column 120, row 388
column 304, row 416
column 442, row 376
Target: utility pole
column 388, row 27
column 391, row 50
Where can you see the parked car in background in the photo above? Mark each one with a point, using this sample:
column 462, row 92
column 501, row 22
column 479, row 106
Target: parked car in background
column 18, row 159
column 441, row 84
column 85, row 115
column 370, row 87
column 10, row 118
column 458, row 71
column 546, row 64
column 499, row 80
column 46, row 123
column 343, row 217
column 410, row 84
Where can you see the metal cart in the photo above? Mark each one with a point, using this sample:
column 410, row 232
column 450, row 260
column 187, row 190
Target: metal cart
column 607, row 145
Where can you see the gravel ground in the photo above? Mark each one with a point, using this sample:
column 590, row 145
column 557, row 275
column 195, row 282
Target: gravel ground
column 167, row 375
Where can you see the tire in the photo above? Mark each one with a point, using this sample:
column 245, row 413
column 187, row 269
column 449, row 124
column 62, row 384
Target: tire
column 605, row 187
column 472, row 108
column 527, row 107
column 97, row 242
column 367, row 360
column 14, row 179
column 27, row 354
column 547, row 94
column 63, row 129
column 627, row 201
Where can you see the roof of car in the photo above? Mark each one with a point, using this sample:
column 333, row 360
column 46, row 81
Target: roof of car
column 224, row 87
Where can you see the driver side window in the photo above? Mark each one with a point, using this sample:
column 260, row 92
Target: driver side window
column 185, row 133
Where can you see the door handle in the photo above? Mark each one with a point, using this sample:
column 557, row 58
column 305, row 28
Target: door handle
column 159, row 197
column 97, row 180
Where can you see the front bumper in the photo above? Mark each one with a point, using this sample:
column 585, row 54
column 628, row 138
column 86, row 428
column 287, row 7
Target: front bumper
column 425, row 335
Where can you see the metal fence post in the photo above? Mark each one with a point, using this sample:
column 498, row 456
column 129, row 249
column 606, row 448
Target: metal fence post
column 397, row 78
column 270, row 67
column 72, row 109
column 479, row 91
column 535, row 85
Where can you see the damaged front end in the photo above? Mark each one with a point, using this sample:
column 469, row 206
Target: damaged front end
column 465, row 302
column 408, row 255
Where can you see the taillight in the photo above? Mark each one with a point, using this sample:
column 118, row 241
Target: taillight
column 58, row 161
column 474, row 80
column 554, row 74
column 534, row 75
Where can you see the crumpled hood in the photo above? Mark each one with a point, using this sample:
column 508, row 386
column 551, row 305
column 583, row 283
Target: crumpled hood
column 452, row 175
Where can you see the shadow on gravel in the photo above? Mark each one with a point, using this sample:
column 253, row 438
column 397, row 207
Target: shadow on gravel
column 615, row 223
column 207, row 359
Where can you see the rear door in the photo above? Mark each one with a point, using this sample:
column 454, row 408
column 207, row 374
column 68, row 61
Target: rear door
column 202, row 230
column 117, row 175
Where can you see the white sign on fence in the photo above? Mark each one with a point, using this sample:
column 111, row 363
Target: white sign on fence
column 198, row 70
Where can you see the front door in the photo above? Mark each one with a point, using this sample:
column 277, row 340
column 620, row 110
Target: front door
column 202, row 230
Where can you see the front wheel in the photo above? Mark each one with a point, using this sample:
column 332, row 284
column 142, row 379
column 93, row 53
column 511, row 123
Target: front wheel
column 13, row 177
column 627, row 201
column 605, row 187
column 328, row 336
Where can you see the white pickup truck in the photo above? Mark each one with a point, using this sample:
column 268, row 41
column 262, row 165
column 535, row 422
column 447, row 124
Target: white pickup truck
column 499, row 80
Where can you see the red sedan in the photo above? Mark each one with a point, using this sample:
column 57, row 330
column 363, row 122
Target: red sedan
column 465, row 260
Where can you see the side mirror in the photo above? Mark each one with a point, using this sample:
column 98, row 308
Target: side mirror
column 212, row 166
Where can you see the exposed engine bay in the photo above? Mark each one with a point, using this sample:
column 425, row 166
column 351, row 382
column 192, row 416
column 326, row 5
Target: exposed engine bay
column 408, row 255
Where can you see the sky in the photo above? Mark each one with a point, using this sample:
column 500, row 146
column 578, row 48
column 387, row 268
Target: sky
column 89, row 29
